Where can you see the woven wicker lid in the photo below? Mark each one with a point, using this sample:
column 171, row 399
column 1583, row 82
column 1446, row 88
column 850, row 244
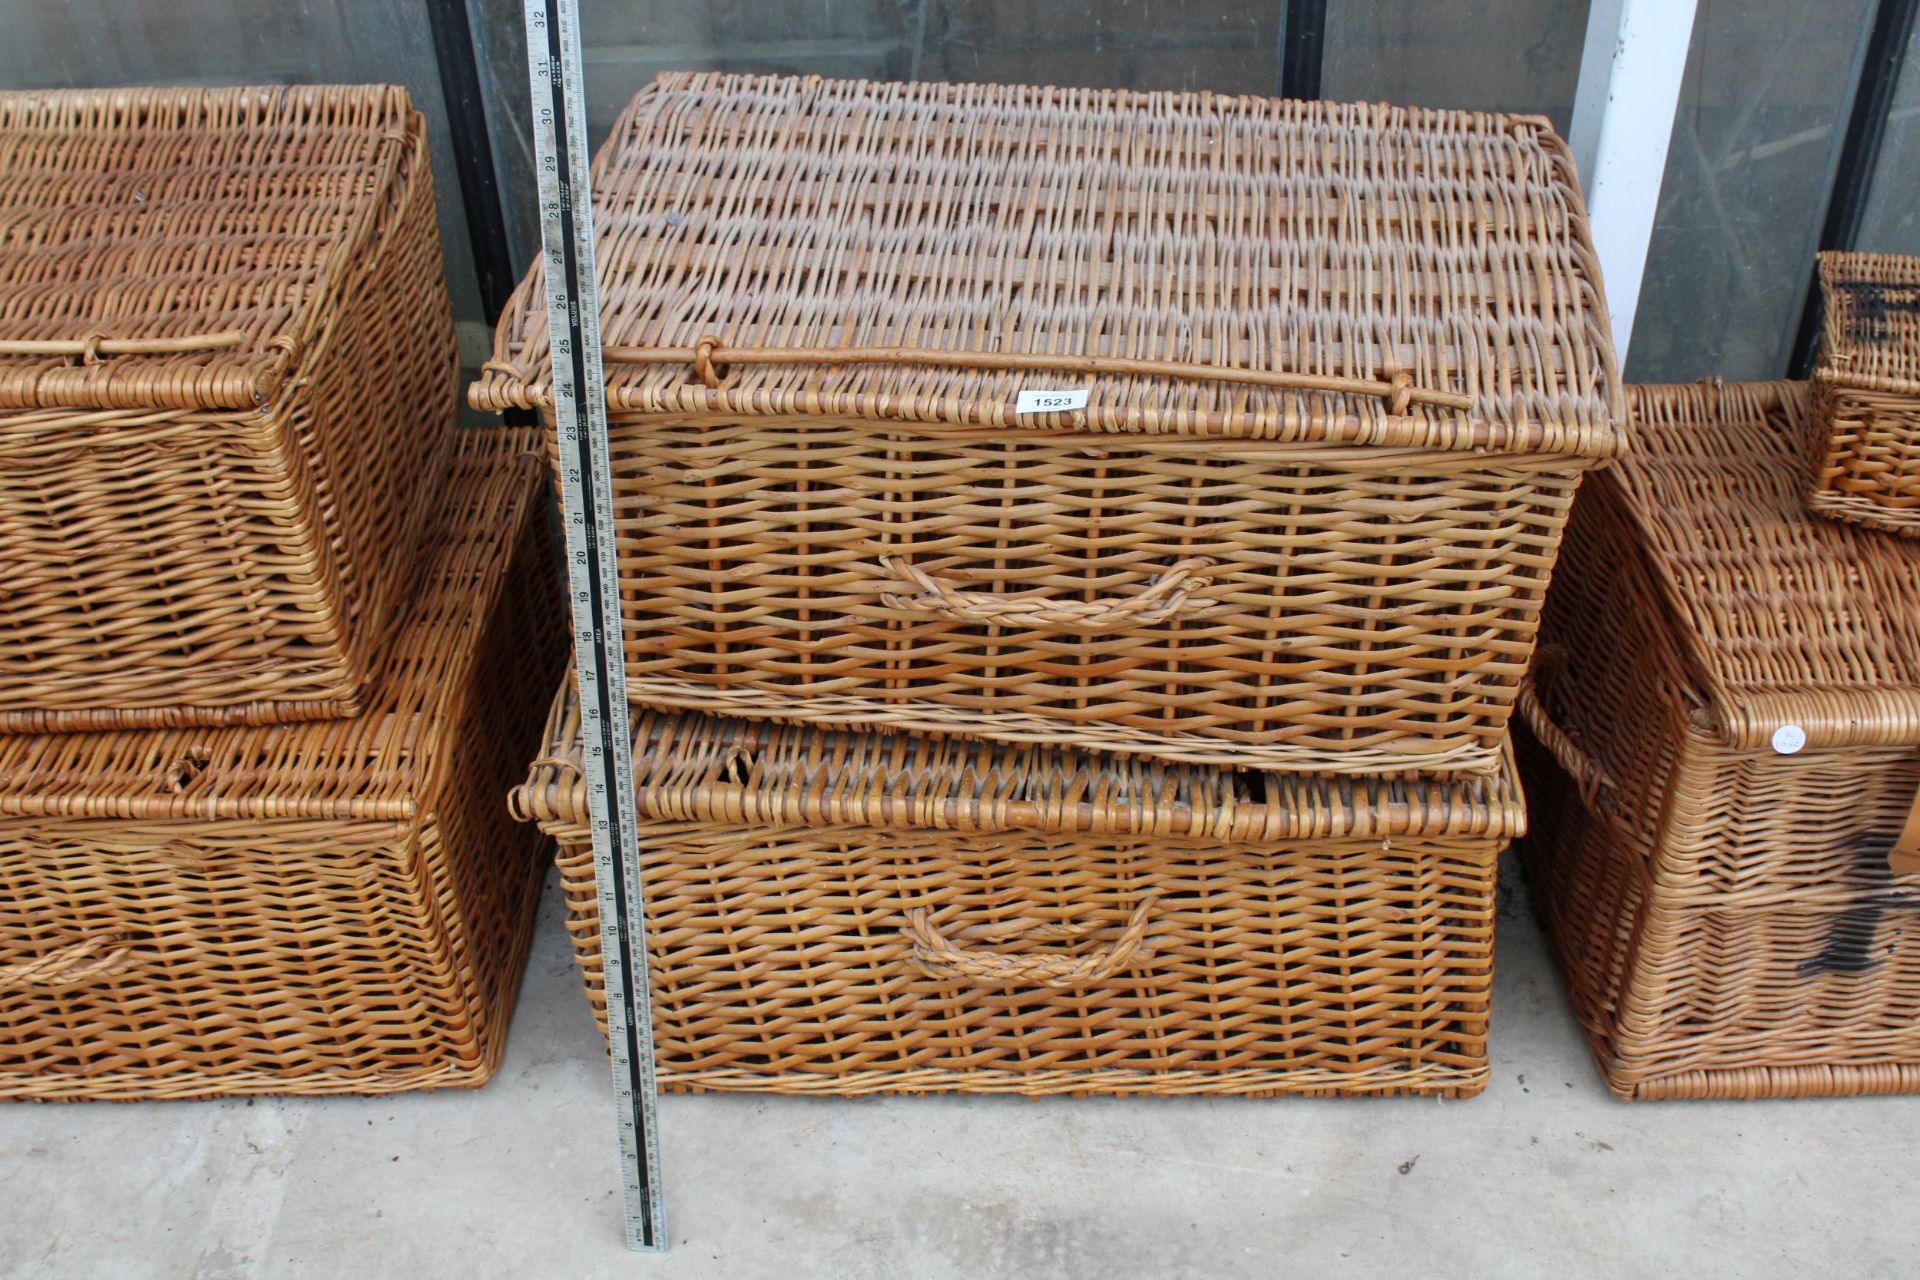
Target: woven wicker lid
column 1446, row 250
column 1787, row 619
column 695, row 768
column 380, row 766
column 1870, row 320
column 216, row 221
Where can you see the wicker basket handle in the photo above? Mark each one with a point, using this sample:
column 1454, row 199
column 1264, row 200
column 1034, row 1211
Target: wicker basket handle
column 710, row 361
column 1165, row 596
column 940, row 957
column 1587, row 773
column 68, row 966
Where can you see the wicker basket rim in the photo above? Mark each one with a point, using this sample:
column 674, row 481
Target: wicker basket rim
column 1543, row 383
column 1784, row 618
column 697, row 768
column 381, row 766
column 342, row 148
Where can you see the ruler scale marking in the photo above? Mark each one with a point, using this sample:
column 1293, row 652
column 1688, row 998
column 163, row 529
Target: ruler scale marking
column 580, row 420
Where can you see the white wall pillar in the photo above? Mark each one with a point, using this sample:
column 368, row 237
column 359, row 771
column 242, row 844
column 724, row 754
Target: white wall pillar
column 1630, row 73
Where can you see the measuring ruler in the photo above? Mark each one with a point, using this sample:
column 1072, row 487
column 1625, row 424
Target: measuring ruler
column 593, row 594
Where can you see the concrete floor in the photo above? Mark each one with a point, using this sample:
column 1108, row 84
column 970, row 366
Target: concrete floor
column 1543, row 1175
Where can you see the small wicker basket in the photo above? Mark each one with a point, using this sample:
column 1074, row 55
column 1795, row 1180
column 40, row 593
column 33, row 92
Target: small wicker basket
column 1723, row 789
column 297, row 909
column 227, row 383
column 1867, row 449
column 857, row 913
column 1335, row 372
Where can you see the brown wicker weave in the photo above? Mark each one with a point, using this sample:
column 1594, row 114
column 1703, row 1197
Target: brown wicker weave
column 300, row 909
column 1726, row 914
column 227, row 381
column 1345, row 364
column 1867, row 450
column 858, row 913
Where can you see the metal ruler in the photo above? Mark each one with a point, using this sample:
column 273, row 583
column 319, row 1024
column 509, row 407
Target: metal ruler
column 586, row 493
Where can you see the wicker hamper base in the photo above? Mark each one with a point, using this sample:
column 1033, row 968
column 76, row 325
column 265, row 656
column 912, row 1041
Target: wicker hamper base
column 1700, row 995
column 782, row 964
column 296, row 909
column 267, row 960
column 1722, row 745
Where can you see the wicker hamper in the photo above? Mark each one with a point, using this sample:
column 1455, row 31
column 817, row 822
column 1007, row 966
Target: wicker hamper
column 299, row 909
column 1867, row 449
column 1342, row 369
column 849, row 913
column 1732, row 692
column 227, row 384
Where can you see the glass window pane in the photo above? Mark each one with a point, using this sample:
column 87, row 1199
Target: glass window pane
column 1892, row 221
column 1755, row 140
column 1227, row 46
column 1475, row 55
column 625, row 45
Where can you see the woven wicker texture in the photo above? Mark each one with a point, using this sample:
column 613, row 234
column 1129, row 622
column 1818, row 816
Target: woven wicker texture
column 1345, row 366
column 227, row 379
column 1724, row 913
column 300, row 909
column 1867, row 450
column 855, row 913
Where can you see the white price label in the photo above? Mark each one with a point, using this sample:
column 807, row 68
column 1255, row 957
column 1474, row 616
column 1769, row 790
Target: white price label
column 1050, row 401
column 1789, row 738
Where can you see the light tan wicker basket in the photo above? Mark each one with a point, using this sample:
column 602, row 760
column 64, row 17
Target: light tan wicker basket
column 857, row 913
column 1867, row 449
column 227, row 382
column 300, row 909
column 1725, row 909
column 1343, row 368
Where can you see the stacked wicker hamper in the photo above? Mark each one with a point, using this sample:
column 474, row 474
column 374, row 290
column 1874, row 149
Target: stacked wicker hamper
column 1156, row 743
column 1725, row 835
column 262, row 672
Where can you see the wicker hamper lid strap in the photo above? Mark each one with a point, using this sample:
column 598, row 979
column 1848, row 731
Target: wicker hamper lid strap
column 249, row 379
column 710, row 359
column 92, row 347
